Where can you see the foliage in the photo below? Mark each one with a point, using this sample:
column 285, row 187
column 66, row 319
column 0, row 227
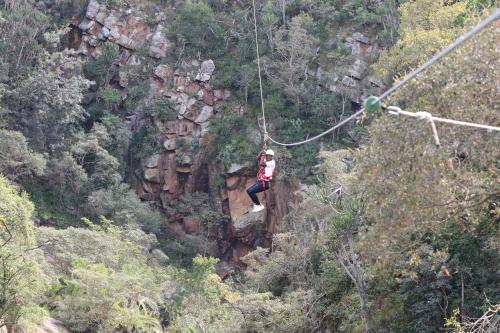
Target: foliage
column 20, row 23
column 48, row 102
column 442, row 231
column 391, row 237
column 118, row 136
column 66, row 175
column 103, row 68
column 162, row 109
column 235, row 143
column 296, row 49
column 426, row 28
column 120, row 204
column 105, row 279
column 16, row 158
column 200, row 299
column 18, row 271
column 196, row 24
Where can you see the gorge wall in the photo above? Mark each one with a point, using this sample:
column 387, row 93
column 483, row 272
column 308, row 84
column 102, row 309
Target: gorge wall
column 185, row 166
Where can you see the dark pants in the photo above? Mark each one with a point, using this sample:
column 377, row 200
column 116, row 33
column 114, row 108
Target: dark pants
column 259, row 186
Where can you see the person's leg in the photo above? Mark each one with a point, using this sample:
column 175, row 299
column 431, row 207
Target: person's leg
column 253, row 190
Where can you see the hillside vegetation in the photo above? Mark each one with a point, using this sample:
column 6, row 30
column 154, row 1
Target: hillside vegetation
column 392, row 234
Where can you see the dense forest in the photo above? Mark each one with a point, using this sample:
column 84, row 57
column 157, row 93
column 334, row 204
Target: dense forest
column 129, row 130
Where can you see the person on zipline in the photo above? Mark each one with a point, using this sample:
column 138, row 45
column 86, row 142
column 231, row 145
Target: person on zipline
column 264, row 177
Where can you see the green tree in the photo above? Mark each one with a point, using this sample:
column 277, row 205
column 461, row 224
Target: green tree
column 47, row 104
column 296, row 48
column 19, row 283
column 198, row 304
column 426, row 27
column 20, row 24
column 16, row 158
column 107, row 280
column 431, row 210
column 121, row 204
column 196, row 25
column 104, row 68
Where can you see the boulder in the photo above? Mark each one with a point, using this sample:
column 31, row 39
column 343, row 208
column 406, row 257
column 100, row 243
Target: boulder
column 184, row 160
column 206, row 71
column 164, row 72
column 101, row 16
column 245, row 224
column 170, row 144
column 123, row 79
column 208, row 97
column 186, row 103
column 232, row 182
column 110, row 22
column 152, row 175
column 181, row 81
column 193, row 111
column 93, row 41
column 205, row 114
column 152, row 161
column 86, row 24
column 192, row 88
column 92, row 9
column 357, row 69
column 170, row 180
column 129, row 32
column 41, row 6
column 160, row 257
column 359, row 37
column 171, row 127
column 349, row 82
column 147, row 187
column 159, row 44
column 238, row 199
column 222, row 94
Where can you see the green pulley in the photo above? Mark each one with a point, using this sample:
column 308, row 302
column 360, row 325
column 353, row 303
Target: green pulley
column 372, row 104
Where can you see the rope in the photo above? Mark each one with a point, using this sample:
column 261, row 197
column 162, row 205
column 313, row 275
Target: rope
column 480, row 26
column 427, row 116
column 260, row 77
column 394, row 110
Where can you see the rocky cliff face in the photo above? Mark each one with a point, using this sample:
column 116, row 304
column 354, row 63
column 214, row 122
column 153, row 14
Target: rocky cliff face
column 183, row 166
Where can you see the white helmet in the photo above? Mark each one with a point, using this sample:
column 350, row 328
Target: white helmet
column 270, row 152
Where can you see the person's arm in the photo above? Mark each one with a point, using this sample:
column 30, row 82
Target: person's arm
column 262, row 154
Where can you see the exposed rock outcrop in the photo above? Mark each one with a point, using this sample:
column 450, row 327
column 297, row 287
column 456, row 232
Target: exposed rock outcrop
column 353, row 80
column 182, row 168
column 131, row 32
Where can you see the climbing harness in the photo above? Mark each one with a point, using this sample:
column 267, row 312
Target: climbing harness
column 372, row 104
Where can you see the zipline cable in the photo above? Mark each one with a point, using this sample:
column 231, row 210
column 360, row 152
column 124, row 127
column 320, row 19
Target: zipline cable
column 479, row 27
